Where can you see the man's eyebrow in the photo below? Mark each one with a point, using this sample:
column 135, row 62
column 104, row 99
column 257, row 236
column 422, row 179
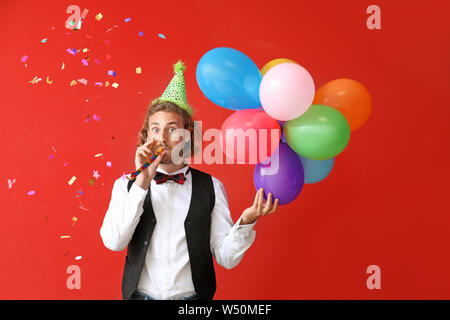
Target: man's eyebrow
column 172, row 122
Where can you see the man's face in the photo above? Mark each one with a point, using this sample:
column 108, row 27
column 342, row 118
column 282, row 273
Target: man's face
column 162, row 127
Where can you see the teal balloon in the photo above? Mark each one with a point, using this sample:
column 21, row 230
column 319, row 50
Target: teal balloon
column 316, row 170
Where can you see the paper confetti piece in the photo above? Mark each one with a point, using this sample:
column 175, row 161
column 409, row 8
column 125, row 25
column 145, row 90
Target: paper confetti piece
column 96, row 117
column 63, row 66
column 10, row 183
column 32, row 192
column 108, row 164
column 100, row 84
column 98, row 17
column 96, row 175
column 49, row 81
column 44, row 40
column 74, row 219
column 98, row 155
column 66, row 163
column 115, row 85
column 71, row 51
column 92, row 181
column 161, row 36
column 97, row 61
column 127, row 20
column 85, row 50
column 83, row 81
column 82, row 207
column 71, row 181
column 106, row 83
column 112, row 73
column 73, row 82
column 123, row 176
column 138, row 70
column 66, row 237
column 24, row 58
column 51, row 157
column 80, row 192
column 84, row 62
column 110, row 29
column 78, row 257
column 141, row 33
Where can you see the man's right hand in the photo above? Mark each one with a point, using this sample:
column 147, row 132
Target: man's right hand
column 143, row 155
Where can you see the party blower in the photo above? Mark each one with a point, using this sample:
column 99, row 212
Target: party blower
column 135, row 174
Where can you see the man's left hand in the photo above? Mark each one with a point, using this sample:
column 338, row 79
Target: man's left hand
column 260, row 208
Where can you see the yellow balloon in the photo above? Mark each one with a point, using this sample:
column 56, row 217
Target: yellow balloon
column 273, row 63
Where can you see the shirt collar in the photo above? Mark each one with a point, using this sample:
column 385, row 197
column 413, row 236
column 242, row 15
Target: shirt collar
column 183, row 170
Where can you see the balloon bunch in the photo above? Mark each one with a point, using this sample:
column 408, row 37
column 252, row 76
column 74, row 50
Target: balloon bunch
column 314, row 125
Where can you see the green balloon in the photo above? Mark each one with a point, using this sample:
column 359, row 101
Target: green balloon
column 320, row 133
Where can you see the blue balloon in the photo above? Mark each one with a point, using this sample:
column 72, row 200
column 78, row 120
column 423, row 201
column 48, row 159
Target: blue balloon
column 316, row 170
column 229, row 78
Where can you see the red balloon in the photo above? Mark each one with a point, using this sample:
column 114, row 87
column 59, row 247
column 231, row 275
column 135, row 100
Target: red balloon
column 249, row 136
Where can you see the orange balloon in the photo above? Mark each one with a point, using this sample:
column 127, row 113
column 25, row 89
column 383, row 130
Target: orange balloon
column 348, row 96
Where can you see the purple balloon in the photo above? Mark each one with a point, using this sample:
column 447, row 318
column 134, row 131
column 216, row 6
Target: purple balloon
column 284, row 183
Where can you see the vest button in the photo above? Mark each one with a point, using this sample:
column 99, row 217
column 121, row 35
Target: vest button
column 145, row 243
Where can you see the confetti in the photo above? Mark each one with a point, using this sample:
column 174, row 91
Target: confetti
column 127, row 20
column 32, row 192
column 97, row 61
column 80, row 192
column 98, row 155
column 161, row 36
column 82, row 207
column 84, row 62
column 24, row 58
column 78, row 257
column 106, row 83
column 44, row 40
column 49, row 81
column 72, row 180
column 83, row 81
column 10, row 183
column 85, row 50
column 63, row 66
column 108, row 164
column 100, row 84
column 141, row 33
column 110, row 29
column 74, row 219
column 112, row 73
column 138, row 70
column 115, row 85
column 71, row 51
column 66, row 163
column 66, row 237
column 98, row 17
column 123, row 176
column 96, row 175
column 96, row 117
column 51, row 157
column 92, row 181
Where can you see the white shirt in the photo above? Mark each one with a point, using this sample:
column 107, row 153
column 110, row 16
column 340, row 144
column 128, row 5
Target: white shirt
column 167, row 272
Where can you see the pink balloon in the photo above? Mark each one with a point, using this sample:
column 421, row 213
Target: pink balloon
column 249, row 136
column 286, row 91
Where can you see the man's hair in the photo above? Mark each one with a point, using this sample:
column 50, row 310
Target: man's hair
column 188, row 122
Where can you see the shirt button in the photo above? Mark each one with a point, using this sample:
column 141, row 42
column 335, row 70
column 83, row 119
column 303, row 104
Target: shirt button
column 145, row 243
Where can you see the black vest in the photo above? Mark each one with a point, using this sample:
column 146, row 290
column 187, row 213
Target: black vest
column 197, row 227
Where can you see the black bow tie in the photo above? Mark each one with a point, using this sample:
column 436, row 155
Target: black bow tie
column 179, row 178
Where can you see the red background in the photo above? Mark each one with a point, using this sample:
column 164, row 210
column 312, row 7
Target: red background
column 385, row 202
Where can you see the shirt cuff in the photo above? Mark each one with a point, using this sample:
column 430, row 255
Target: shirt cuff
column 137, row 191
column 244, row 229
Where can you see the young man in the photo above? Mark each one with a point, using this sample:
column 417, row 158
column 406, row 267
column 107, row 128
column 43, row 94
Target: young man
column 174, row 218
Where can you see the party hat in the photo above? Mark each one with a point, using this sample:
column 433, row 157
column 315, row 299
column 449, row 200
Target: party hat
column 176, row 90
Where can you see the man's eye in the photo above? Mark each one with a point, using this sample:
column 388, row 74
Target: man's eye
column 155, row 129
column 172, row 130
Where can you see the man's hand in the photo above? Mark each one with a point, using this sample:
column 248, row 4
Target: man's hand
column 258, row 209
